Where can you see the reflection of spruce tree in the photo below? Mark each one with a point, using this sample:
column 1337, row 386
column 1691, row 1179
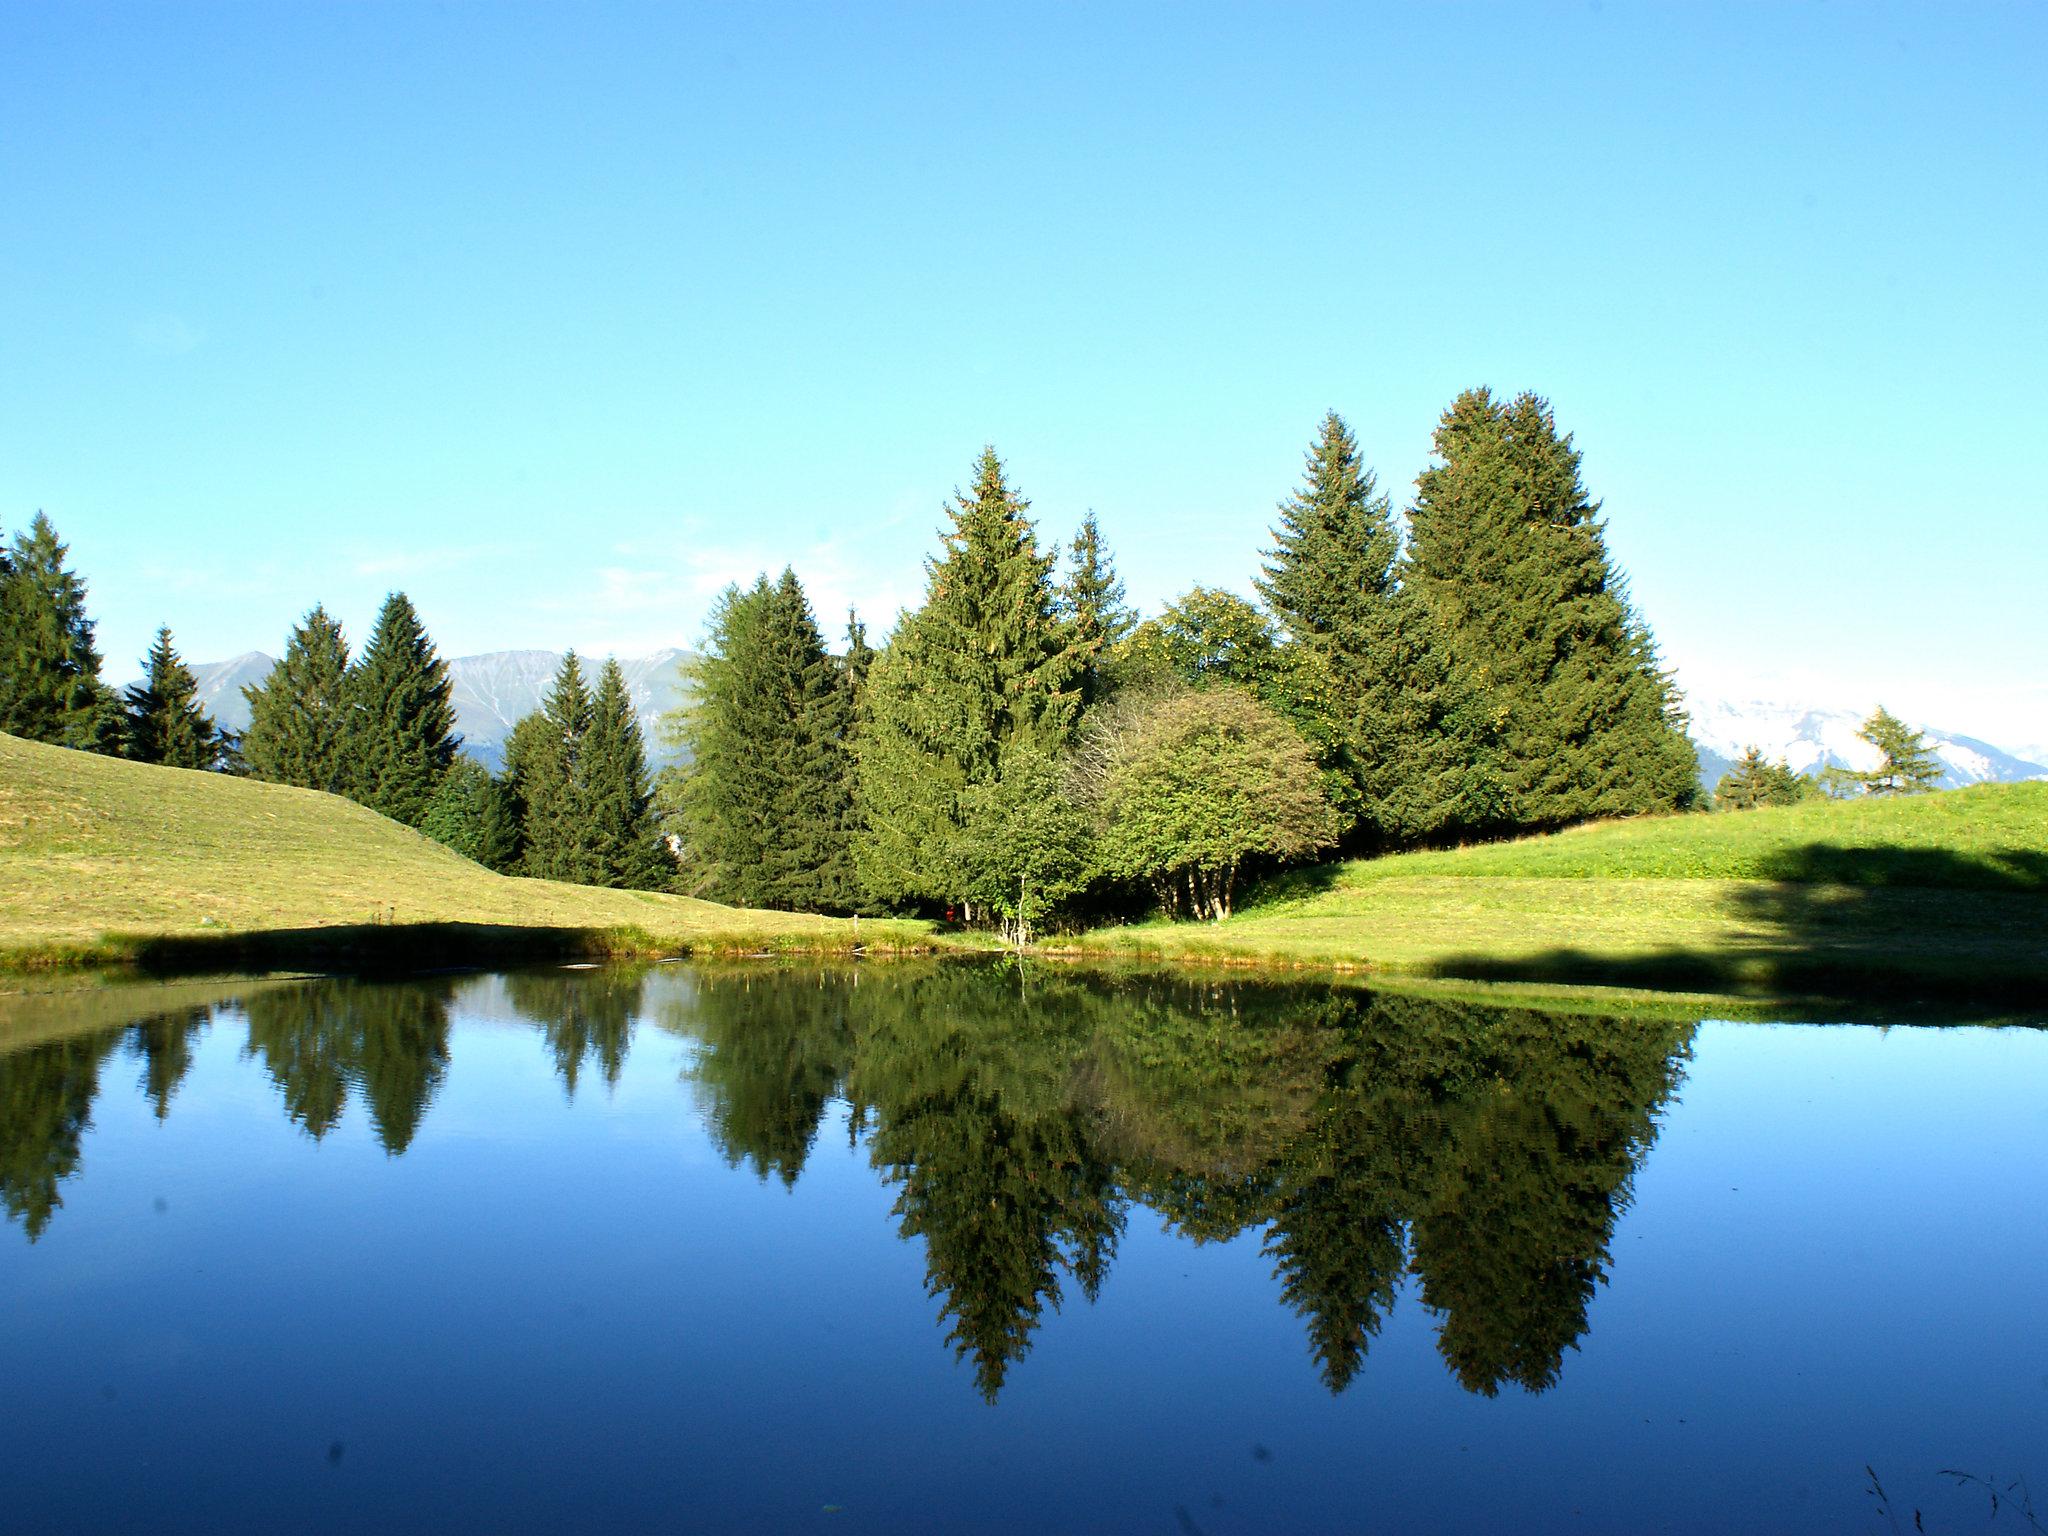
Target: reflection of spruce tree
column 584, row 1015
column 165, row 1045
column 774, row 1056
column 46, row 1094
column 997, row 1172
column 318, row 1039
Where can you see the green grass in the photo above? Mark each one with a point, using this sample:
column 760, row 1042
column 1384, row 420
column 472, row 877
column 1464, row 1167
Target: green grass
column 1937, row 895
column 108, row 863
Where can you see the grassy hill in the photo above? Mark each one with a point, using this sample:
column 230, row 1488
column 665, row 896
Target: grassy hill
column 108, row 862
column 1943, row 893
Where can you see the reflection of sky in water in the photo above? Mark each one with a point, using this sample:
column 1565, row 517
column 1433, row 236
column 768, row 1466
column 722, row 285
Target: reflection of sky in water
column 556, row 1313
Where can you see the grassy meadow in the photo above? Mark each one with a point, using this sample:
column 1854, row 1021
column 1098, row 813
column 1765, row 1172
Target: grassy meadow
column 1927, row 895
column 105, row 862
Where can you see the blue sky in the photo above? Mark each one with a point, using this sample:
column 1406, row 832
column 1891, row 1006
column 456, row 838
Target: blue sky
column 561, row 317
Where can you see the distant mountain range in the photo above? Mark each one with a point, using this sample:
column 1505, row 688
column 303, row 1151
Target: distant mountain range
column 494, row 690
column 490, row 692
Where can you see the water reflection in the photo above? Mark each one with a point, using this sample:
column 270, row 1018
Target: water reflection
column 1474, row 1157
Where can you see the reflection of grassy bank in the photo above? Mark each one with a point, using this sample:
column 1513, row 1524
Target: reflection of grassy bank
column 1943, row 895
column 112, row 864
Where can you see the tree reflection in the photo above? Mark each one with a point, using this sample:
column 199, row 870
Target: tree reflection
column 46, row 1094
column 774, row 1052
column 164, row 1045
column 586, row 1015
column 319, row 1040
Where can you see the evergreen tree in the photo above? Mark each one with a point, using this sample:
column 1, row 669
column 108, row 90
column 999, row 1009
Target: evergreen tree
column 985, row 666
column 474, row 814
column 164, row 723
column 1509, row 554
column 766, row 799
column 299, row 715
column 1091, row 599
column 50, row 688
column 1398, row 726
column 545, row 759
column 616, row 795
column 401, row 733
column 1753, row 781
column 1906, row 764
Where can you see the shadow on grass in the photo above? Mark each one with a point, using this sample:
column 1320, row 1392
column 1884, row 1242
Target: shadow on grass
column 1888, row 925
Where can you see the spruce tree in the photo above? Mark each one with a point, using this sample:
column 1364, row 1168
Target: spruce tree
column 1091, row 599
column 163, row 722
column 984, row 667
column 1509, row 554
column 401, row 731
column 50, row 688
column 546, row 760
column 472, row 813
column 617, row 798
column 1367, row 675
column 1755, row 781
column 1906, row 764
column 299, row 715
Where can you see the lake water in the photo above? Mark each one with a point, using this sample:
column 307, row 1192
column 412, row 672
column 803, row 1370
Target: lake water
column 974, row 1248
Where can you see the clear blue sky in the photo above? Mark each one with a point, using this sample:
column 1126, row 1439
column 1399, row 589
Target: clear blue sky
column 559, row 317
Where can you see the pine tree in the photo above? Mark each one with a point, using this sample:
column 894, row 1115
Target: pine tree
column 472, row 813
column 299, row 715
column 401, row 734
column 546, row 760
column 50, row 688
column 1369, row 678
column 163, row 721
column 1906, row 764
column 1091, row 599
column 617, row 799
column 1509, row 555
column 1754, row 781
column 984, row 667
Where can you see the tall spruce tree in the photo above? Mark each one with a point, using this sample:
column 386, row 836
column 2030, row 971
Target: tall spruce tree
column 163, row 722
column 1091, row 598
column 545, row 759
column 626, row 842
column 1367, row 675
column 985, row 667
column 299, row 715
column 1509, row 554
column 1906, row 764
column 401, row 720
column 766, row 797
column 50, row 688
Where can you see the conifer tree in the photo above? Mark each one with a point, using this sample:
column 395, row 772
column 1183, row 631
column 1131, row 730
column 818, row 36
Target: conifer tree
column 1754, row 781
column 299, row 715
column 163, row 720
column 984, row 667
column 401, row 733
column 1906, row 764
column 1368, row 677
column 473, row 813
column 546, row 760
column 1091, row 599
column 1509, row 554
column 50, row 688
column 626, row 844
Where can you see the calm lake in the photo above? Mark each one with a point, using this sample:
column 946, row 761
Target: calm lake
column 977, row 1248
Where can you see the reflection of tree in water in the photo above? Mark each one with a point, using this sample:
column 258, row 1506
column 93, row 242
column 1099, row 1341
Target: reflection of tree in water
column 320, row 1039
column 46, row 1094
column 164, row 1044
column 774, row 1051
column 586, row 1015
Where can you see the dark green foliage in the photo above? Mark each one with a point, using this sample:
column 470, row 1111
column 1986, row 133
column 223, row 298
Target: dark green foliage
column 766, row 802
column 774, row 1057
column 1753, row 782
column 475, row 815
column 50, row 688
column 1906, row 764
column 162, row 721
column 984, row 667
column 320, row 1039
column 46, row 1094
column 164, row 1045
column 1398, row 727
column 1091, row 599
column 586, row 1016
column 401, row 738
column 299, row 717
column 1508, row 554
column 544, row 761
column 627, row 846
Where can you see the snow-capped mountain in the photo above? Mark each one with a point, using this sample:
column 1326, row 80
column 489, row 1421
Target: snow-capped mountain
column 490, row 693
column 1810, row 738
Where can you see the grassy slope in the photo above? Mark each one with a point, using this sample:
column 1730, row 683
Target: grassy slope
column 1941, row 893
column 103, row 860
